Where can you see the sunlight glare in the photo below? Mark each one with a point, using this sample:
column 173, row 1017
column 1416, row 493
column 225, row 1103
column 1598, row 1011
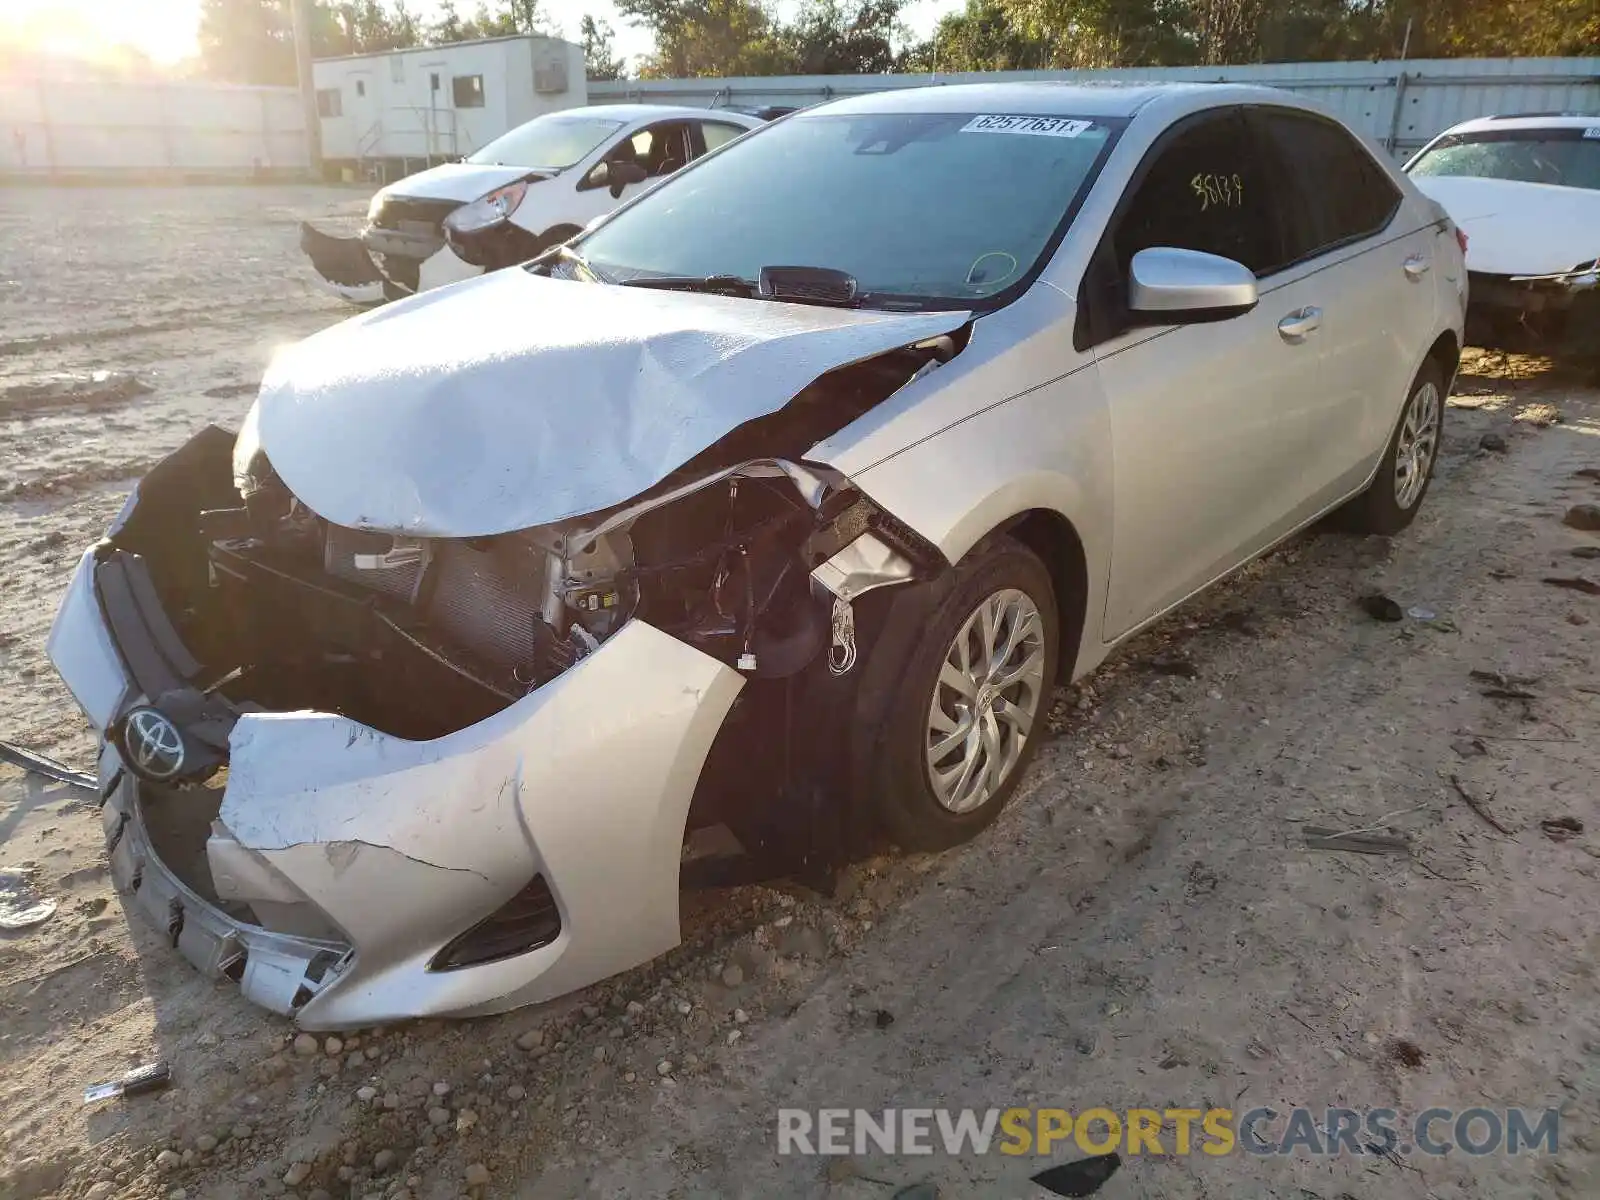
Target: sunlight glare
column 98, row 29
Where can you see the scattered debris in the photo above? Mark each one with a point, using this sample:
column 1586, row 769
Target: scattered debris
column 1469, row 747
column 21, row 907
column 1501, row 679
column 1318, row 838
column 1381, row 608
column 1574, row 583
column 1506, row 687
column 152, row 1077
column 1502, row 574
column 1540, row 416
column 883, row 1018
column 1180, row 667
column 1583, row 516
column 227, row 391
column 1493, row 442
column 92, row 389
column 1585, row 552
column 1477, row 805
column 1418, row 613
column 43, row 764
column 1078, row 1179
column 1561, row 829
column 1406, row 1053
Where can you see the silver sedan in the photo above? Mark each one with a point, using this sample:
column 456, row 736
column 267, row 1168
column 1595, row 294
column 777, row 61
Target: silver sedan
column 774, row 504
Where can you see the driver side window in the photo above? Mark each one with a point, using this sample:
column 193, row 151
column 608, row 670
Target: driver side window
column 1206, row 190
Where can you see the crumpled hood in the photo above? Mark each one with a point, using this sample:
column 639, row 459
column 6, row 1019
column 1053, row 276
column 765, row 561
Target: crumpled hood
column 461, row 181
column 514, row 400
column 1519, row 228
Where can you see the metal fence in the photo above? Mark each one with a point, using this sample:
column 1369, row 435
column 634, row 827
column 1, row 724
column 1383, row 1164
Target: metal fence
column 54, row 128
column 1399, row 104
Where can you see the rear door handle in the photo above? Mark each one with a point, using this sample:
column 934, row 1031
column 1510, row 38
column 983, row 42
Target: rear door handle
column 1294, row 327
column 1417, row 266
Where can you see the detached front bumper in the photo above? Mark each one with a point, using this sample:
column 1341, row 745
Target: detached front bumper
column 382, row 264
column 1532, row 294
column 512, row 861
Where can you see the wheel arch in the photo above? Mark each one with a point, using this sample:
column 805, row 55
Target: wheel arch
column 1446, row 351
column 1052, row 537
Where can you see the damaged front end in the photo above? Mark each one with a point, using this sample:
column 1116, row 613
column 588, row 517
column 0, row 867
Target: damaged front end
column 371, row 775
column 1556, row 313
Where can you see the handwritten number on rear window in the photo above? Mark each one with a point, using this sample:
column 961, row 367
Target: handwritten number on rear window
column 1218, row 191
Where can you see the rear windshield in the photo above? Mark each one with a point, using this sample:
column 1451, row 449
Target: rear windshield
column 923, row 209
column 1562, row 157
column 552, row 141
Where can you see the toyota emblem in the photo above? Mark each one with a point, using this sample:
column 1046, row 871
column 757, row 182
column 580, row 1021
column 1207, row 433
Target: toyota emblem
column 153, row 744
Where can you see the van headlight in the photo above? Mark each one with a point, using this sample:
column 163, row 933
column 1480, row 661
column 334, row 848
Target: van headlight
column 490, row 210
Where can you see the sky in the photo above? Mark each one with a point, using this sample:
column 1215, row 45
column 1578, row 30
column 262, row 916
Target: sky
column 165, row 29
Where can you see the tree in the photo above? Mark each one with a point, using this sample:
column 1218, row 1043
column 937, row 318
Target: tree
column 828, row 38
column 599, row 58
column 499, row 22
column 709, row 37
column 448, row 26
column 983, row 37
column 247, row 41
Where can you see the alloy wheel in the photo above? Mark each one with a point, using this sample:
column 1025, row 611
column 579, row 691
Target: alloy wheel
column 1419, row 441
column 985, row 701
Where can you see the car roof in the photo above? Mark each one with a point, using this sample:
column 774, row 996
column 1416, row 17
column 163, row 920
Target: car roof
column 652, row 112
column 1527, row 121
column 1052, row 99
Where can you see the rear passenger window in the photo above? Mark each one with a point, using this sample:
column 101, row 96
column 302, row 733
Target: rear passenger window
column 1341, row 194
column 718, row 134
column 1206, row 191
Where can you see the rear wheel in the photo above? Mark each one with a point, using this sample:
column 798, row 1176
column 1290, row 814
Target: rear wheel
column 970, row 711
column 1391, row 501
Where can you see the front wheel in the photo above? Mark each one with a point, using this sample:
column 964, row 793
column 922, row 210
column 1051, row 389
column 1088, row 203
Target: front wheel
column 1392, row 499
column 970, row 712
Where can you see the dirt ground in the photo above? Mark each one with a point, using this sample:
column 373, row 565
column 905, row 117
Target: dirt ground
column 1145, row 926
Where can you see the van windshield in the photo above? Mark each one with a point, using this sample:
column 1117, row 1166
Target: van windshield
column 552, row 141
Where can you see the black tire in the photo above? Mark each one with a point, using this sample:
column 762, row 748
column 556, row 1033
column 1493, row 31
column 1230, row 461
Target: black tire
column 907, row 805
column 1377, row 510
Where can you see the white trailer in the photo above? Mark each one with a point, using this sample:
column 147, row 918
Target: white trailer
column 384, row 115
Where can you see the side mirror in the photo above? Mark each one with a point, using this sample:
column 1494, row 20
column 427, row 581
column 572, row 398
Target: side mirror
column 621, row 174
column 615, row 175
column 1168, row 286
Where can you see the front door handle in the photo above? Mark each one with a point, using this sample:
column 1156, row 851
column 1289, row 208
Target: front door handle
column 1294, row 327
column 1416, row 267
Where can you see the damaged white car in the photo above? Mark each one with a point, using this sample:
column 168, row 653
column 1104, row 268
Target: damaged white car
column 1525, row 190
column 779, row 502
column 524, row 192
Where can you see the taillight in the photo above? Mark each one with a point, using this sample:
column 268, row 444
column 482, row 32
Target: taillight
column 1461, row 238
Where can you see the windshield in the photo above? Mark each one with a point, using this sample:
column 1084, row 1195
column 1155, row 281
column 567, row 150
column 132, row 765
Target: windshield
column 923, row 209
column 1563, row 157
column 553, row 141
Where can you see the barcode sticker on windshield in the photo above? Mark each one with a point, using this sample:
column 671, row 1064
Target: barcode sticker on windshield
column 1040, row 126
